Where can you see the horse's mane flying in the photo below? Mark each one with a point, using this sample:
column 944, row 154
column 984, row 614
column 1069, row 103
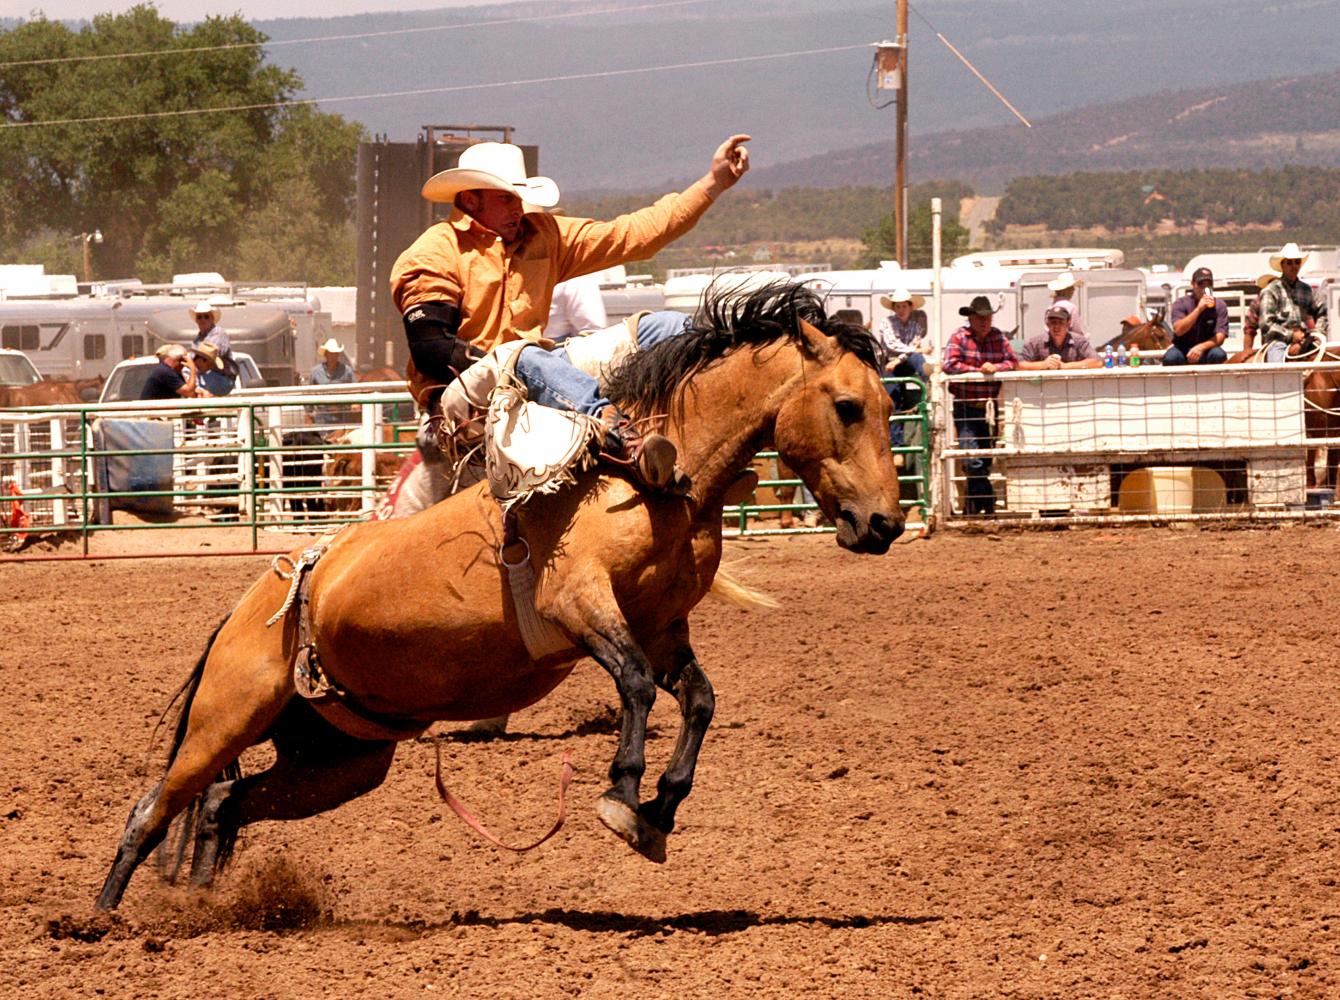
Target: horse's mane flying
column 729, row 318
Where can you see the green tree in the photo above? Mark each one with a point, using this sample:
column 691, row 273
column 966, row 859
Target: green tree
column 881, row 241
column 169, row 193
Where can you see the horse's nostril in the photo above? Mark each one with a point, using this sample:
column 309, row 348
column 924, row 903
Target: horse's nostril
column 885, row 527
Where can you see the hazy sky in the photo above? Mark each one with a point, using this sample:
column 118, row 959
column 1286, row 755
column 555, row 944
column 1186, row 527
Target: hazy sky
column 254, row 10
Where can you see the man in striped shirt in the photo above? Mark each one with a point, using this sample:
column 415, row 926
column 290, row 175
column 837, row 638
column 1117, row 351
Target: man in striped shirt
column 977, row 347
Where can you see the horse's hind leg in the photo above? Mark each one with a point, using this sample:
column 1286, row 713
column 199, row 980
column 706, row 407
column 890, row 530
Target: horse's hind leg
column 697, row 703
column 316, row 768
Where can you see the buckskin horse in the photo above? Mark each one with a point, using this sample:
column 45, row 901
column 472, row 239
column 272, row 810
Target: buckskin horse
column 414, row 623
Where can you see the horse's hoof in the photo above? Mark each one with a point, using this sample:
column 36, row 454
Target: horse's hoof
column 636, row 832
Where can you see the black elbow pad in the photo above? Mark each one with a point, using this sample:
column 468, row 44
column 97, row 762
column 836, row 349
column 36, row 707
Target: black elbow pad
column 437, row 352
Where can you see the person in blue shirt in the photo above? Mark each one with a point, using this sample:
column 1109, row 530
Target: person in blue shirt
column 211, row 371
column 172, row 377
column 334, row 367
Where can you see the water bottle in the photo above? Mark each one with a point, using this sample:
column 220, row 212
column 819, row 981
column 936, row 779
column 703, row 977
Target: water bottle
column 1135, row 359
column 1122, row 358
column 1109, row 361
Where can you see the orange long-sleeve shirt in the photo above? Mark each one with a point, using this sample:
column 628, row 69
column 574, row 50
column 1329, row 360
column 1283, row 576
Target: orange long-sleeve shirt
column 503, row 291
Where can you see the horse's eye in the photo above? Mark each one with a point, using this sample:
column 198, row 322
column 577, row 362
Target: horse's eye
column 849, row 411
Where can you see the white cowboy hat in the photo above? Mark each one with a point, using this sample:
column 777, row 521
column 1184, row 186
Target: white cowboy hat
column 210, row 353
column 494, row 166
column 331, row 346
column 901, row 295
column 1266, row 279
column 1061, row 282
column 1290, row 251
column 203, row 309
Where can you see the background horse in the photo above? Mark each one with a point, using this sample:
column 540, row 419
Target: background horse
column 51, row 392
column 381, row 375
column 413, row 621
column 1151, row 335
column 1321, row 418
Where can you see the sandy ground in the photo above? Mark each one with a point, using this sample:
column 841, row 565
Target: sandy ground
column 1076, row 764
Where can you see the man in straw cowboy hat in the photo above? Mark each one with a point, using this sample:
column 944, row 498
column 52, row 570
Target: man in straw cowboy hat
column 485, row 276
column 902, row 333
column 1199, row 324
column 977, row 347
column 1290, row 311
column 334, row 367
column 211, row 374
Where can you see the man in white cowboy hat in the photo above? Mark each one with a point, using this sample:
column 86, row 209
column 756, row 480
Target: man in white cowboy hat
column 1063, row 288
column 903, row 331
column 1290, row 311
column 485, row 276
column 206, row 315
column 333, row 368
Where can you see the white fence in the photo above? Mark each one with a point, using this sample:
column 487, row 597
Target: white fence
column 1146, row 442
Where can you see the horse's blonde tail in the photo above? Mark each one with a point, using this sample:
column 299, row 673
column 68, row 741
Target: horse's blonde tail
column 727, row 588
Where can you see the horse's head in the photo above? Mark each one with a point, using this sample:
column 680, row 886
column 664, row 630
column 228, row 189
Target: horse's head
column 1150, row 335
column 834, row 432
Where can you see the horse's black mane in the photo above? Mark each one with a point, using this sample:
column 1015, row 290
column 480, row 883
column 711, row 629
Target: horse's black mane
column 728, row 319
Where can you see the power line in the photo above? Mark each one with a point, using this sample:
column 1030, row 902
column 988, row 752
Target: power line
column 604, row 74
column 196, row 49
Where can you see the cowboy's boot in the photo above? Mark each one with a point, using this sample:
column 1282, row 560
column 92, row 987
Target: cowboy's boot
column 648, row 458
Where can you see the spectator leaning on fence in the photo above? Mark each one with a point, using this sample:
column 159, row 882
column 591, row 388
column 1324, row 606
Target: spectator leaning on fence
column 1290, row 312
column 172, row 377
column 1059, row 347
column 977, row 347
column 1199, row 324
column 334, row 368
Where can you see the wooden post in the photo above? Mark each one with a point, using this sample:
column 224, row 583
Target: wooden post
column 900, row 169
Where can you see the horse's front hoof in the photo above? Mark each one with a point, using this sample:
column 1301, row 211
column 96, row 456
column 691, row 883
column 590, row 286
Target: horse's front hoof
column 636, row 832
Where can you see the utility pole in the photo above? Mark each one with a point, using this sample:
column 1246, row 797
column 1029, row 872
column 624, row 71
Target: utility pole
column 891, row 74
column 900, row 171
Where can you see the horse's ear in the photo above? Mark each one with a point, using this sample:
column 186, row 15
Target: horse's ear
column 814, row 341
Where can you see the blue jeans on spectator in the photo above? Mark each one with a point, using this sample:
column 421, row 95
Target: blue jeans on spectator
column 908, row 364
column 551, row 380
column 1214, row 356
column 974, row 432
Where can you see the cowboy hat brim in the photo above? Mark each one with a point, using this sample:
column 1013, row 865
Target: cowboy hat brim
column 1276, row 258
column 917, row 301
column 443, row 187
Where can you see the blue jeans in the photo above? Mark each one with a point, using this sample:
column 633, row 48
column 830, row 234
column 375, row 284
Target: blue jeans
column 909, row 364
column 551, row 380
column 1275, row 351
column 974, row 432
column 1214, row 356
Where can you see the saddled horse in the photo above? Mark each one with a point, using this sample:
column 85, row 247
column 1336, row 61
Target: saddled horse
column 413, row 620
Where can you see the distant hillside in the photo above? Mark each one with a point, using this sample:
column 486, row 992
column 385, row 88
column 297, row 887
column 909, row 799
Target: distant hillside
column 624, row 128
column 1294, row 120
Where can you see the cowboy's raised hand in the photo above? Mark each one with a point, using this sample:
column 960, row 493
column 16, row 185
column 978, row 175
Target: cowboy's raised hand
column 730, row 162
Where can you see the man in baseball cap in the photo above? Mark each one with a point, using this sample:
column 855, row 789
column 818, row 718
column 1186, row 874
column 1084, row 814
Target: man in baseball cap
column 1059, row 347
column 1199, row 324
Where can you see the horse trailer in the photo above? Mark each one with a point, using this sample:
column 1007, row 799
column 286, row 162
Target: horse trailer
column 87, row 336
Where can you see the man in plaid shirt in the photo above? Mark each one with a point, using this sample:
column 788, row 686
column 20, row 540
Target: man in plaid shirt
column 977, row 347
column 1289, row 309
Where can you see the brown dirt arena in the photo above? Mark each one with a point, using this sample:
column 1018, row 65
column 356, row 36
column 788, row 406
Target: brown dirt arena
column 940, row 773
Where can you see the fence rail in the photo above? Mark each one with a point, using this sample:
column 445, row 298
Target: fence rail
column 280, row 463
